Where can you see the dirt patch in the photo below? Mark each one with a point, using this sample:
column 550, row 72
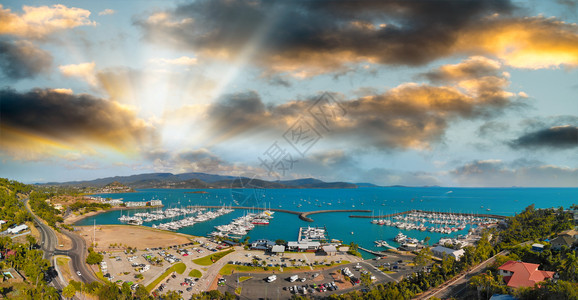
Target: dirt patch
column 63, row 240
column 63, row 263
column 120, row 236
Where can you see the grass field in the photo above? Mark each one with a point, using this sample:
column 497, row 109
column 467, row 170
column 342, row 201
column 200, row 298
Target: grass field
column 211, row 259
column 243, row 278
column 195, row 273
column 179, row 268
column 228, row 269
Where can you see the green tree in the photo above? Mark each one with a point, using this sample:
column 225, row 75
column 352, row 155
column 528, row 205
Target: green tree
column 280, row 242
column 94, row 258
column 31, row 241
column 423, row 257
column 68, row 291
column 366, row 279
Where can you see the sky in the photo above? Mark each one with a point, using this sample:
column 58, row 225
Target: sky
column 418, row 93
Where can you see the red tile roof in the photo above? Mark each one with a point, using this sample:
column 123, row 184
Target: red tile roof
column 525, row 274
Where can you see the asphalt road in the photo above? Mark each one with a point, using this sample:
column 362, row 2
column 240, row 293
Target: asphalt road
column 76, row 253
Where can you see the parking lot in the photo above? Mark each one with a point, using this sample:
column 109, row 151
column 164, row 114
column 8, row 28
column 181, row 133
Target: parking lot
column 150, row 263
column 317, row 282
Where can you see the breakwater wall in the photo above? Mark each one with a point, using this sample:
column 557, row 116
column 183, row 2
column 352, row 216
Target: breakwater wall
column 302, row 215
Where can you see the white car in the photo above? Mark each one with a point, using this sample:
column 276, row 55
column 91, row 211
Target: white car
column 78, row 272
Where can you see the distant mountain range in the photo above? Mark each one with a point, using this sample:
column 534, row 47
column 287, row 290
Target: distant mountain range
column 203, row 181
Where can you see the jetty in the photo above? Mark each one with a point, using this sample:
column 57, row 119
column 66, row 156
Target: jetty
column 376, row 253
column 430, row 212
column 303, row 215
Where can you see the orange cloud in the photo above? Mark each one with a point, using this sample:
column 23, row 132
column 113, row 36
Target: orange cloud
column 531, row 43
column 47, row 122
column 38, row 22
column 84, row 71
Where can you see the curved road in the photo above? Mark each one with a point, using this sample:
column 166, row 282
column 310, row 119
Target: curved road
column 76, row 253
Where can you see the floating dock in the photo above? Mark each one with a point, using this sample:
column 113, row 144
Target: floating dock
column 431, row 212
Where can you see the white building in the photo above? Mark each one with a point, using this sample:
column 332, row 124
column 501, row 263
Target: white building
column 303, row 246
column 156, row 202
column 440, row 251
column 17, row 229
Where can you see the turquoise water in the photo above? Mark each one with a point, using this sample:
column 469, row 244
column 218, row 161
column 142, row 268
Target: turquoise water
column 501, row 201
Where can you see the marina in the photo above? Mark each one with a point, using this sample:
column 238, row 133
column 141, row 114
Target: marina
column 313, row 234
column 340, row 221
column 435, row 222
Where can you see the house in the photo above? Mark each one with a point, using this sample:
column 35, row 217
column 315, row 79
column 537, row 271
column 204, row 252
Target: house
column 562, row 240
column 520, row 274
column 262, row 245
column 17, row 229
column 440, row 251
column 537, row 247
column 571, row 233
column 329, row 250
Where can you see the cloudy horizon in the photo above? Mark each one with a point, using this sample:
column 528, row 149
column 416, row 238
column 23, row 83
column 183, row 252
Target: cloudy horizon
column 415, row 93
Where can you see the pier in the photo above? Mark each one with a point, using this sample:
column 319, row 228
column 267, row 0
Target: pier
column 431, row 212
column 303, row 215
column 376, row 253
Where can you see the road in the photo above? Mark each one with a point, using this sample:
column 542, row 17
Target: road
column 77, row 256
column 76, row 253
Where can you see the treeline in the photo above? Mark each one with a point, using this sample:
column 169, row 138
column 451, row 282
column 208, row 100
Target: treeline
column 111, row 290
column 88, row 206
column 43, row 209
column 533, row 224
column 12, row 211
column 28, row 262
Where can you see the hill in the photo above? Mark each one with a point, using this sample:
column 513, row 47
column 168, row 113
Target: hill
column 197, row 180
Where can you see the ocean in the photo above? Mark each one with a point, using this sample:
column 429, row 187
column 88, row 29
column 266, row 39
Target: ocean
column 380, row 200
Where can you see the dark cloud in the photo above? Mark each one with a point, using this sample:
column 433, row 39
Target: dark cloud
column 21, row 59
column 51, row 117
column 199, row 160
column 309, row 37
column 233, row 114
column 408, row 116
column 557, row 137
column 496, row 173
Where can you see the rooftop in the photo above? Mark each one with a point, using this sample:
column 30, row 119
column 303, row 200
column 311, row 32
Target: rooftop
column 524, row 274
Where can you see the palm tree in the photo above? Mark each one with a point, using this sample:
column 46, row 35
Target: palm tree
column 31, row 241
column 570, row 266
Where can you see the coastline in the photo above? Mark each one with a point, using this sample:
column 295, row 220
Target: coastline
column 71, row 220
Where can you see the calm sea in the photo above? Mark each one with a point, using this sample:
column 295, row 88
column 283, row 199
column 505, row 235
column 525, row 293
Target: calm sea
column 386, row 200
